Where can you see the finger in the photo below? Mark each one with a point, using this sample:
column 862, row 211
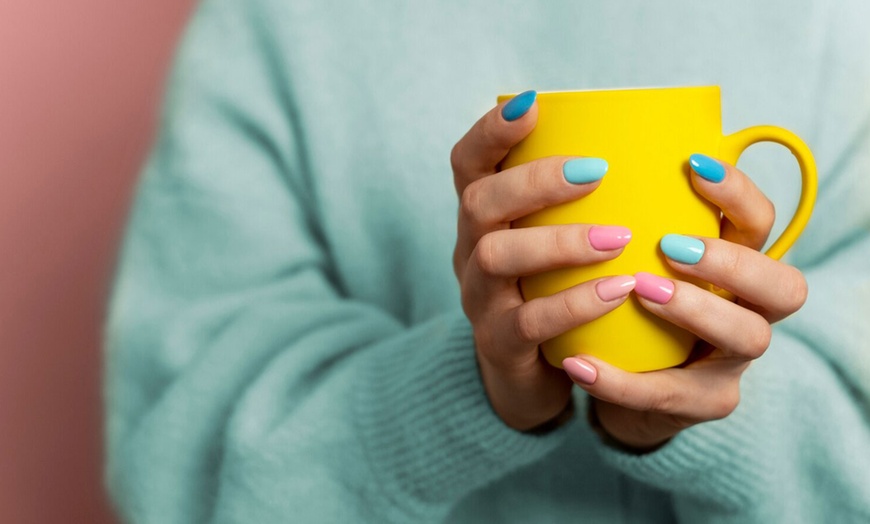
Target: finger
column 777, row 289
column 749, row 215
column 479, row 152
column 737, row 332
column 543, row 318
column 707, row 392
column 513, row 253
column 526, row 188
column 491, row 203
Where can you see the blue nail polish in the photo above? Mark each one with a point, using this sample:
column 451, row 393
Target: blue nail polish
column 707, row 167
column 518, row 105
column 584, row 170
column 681, row 248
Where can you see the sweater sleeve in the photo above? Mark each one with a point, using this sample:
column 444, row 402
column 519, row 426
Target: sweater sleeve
column 242, row 386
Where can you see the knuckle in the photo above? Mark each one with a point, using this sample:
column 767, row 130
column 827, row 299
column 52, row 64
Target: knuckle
column 542, row 182
column 573, row 311
column 725, row 402
column 796, row 292
column 470, row 202
column 731, row 261
column 489, row 133
column 485, row 255
column 564, row 243
column 527, row 325
column 759, row 341
column 537, row 176
column 700, row 304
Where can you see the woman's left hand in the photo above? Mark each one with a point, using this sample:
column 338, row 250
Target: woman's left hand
column 644, row 410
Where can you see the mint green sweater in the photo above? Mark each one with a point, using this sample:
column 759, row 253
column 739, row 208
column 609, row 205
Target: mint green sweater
column 285, row 341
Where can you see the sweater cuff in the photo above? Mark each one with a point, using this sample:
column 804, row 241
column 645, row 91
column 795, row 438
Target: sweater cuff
column 427, row 424
column 720, row 463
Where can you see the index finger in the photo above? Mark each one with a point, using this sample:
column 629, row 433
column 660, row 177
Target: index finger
column 479, row 152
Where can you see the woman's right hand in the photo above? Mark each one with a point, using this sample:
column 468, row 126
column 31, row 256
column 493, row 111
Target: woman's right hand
column 523, row 389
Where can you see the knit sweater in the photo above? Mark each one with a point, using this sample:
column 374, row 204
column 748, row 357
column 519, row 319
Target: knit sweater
column 285, row 340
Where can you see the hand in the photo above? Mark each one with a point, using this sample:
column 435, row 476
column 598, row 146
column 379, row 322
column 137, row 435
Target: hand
column 644, row 410
column 523, row 389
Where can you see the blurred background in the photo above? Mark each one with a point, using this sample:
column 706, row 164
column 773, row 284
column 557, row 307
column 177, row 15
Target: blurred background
column 80, row 87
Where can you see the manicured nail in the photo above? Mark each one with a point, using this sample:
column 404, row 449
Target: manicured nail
column 653, row 287
column 615, row 287
column 707, row 168
column 681, row 248
column 607, row 238
column 580, row 371
column 584, row 170
column 518, row 105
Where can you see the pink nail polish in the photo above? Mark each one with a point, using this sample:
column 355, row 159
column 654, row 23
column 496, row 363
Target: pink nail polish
column 580, row 371
column 607, row 238
column 615, row 287
column 653, row 287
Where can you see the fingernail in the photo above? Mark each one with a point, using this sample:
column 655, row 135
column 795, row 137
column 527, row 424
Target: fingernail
column 615, row 287
column 653, row 287
column 707, row 168
column 584, row 170
column 518, row 105
column 580, row 371
column 681, row 248
column 607, row 238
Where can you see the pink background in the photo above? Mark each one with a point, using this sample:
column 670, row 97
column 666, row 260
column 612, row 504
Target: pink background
column 80, row 84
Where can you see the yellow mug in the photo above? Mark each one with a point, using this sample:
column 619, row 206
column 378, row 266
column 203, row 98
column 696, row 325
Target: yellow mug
column 646, row 136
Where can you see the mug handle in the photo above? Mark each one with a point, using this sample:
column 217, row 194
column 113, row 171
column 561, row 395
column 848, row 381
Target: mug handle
column 733, row 146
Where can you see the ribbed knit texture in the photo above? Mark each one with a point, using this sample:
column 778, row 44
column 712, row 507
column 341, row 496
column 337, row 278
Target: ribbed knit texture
column 438, row 411
column 285, row 341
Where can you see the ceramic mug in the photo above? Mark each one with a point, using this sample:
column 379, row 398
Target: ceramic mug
column 646, row 136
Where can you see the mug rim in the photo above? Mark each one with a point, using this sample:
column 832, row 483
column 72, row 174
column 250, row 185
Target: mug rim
column 712, row 87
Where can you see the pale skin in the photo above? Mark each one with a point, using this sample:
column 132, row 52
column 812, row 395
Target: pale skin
column 640, row 410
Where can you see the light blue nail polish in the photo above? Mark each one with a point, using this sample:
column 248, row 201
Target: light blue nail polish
column 707, row 168
column 584, row 170
column 518, row 105
column 681, row 248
